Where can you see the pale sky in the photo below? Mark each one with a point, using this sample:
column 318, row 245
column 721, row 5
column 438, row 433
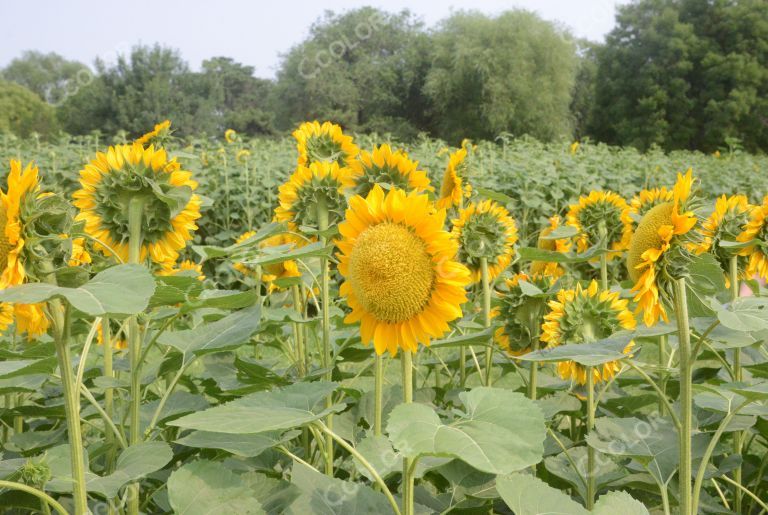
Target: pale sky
column 251, row 32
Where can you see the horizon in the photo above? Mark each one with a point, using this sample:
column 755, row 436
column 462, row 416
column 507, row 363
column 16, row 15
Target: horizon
column 228, row 36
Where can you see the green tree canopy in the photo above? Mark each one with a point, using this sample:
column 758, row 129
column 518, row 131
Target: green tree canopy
column 22, row 112
column 49, row 75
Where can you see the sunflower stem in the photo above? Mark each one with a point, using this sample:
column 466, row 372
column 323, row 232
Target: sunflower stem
column 533, row 374
column 686, row 407
column 378, row 373
column 590, row 449
column 487, row 319
column 737, row 376
column 135, row 237
column 603, row 257
column 462, row 366
column 322, row 225
column 662, row 366
column 298, row 333
column 407, row 362
column 106, row 336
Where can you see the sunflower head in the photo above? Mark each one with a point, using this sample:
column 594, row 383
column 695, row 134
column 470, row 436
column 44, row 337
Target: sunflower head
column 601, row 215
column 485, row 230
column 230, row 135
column 661, row 249
column 520, row 314
column 324, row 143
column 756, row 232
column 586, row 315
column 243, row 155
column 185, row 267
column 383, row 166
column 127, row 173
column 321, row 182
column 158, row 136
column 544, row 242
column 401, row 279
column 646, row 200
column 455, row 186
column 726, row 223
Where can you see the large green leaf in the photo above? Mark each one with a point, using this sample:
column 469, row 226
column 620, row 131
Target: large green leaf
column 499, row 432
column 24, row 367
column 245, row 445
column 536, row 254
column 744, row 314
column 587, row 354
column 285, row 408
column 207, row 487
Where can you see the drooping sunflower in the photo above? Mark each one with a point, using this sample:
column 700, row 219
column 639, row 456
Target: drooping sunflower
column 300, row 195
column 601, row 209
column 520, row 314
column 230, row 135
column 562, row 245
column 646, row 200
column 455, row 185
column 156, row 136
column 660, row 250
column 485, row 230
column 756, row 231
column 726, row 223
column 126, row 172
column 401, row 277
column 17, row 206
column 324, row 143
column 183, row 266
column 584, row 316
column 383, row 166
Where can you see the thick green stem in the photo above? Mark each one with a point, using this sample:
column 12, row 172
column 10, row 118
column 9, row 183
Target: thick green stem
column 44, row 497
column 686, row 406
column 135, row 215
column 532, row 377
column 325, row 300
column 462, row 366
column 407, row 362
column 737, row 473
column 378, row 373
column 662, row 365
column 298, row 333
column 60, row 316
column 487, row 320
column 590, row 451
column 603, row 257
column 109, row 394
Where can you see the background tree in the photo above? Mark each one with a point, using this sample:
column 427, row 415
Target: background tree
column 49, row 75
column 583, row 96
column 22, row 112
column 511, row 73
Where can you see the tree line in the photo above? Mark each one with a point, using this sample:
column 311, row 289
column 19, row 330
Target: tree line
column 678, row 74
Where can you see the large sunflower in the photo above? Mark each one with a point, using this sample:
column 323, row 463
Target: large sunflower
column 562, row 245
column 660, row 250
column 125, row 172
column 646, row 200
column 300, row 195
column 325, row 143
column 585, row 316
column 756, row 231
column 402, row 279
column 601, row 208
column 485, row 230
column 726, row 223
column 454, row 188
column 383, row 166
column 16, row 206
column 520, row 314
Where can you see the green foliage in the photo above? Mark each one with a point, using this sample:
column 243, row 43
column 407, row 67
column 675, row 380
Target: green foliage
column 513, row 73
column 23, row 113
column 49, row 75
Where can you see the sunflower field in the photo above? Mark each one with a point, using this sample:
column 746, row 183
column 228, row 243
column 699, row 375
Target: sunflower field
column 349, row 325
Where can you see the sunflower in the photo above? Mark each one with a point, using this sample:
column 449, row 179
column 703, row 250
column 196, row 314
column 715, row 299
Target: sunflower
column 401, row 277
column 485, row 230
column 756, row 231
column 17, row 206
column 660, row 250
column 300, row 195
column 184, row 266
column 453, row 189
column 242, row 156
column 520, row 314
column 584, row 316
column 125, row 172
column 79, row 255
column 562, row 245
column 383, row 166
column 726, row 223
column 119, row 343
column 156, row 136
column 230, row 135
column 647, row 200
column 601, row 209
column 324, row 143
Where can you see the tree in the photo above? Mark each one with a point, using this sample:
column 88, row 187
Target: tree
column 22, row 112
column 583, row 97
column 51, row 76
column 364, row 69
column 511, row 73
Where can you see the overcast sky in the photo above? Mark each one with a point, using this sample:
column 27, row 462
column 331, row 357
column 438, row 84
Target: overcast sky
column 252, row 32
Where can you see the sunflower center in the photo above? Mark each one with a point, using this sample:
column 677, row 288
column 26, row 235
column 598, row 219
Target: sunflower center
column 646, row 236
column 5, row 245
column 449, row 183
column 391, row 272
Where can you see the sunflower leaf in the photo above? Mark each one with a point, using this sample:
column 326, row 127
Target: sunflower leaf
column 587, row 354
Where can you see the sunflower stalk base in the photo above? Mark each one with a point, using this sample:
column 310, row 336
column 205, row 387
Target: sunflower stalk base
column 590, row 450
column 487, row 319
column 135, row 215
column 686, row 407
column 734, row 277
column 408, row 498
column 322, row 225
column 378, row 393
